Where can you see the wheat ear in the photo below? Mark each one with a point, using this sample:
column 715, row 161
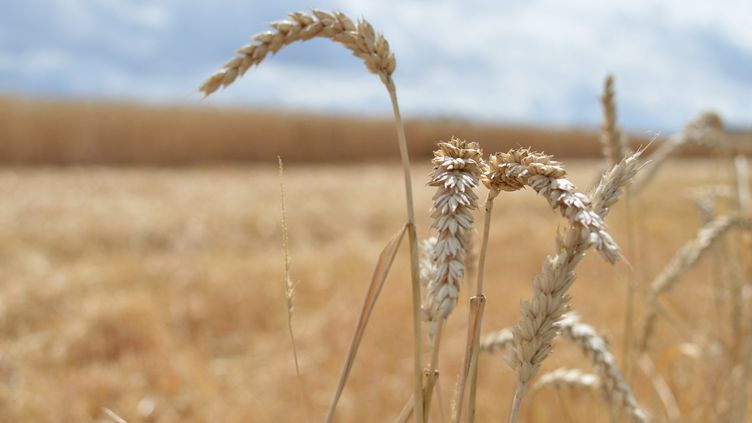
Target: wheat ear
column 705, row 129
column 455, row 176
column 570, row 379
column 682, row 261
column 616, row 390
column 534, row 334
column 361, row 39
column 612, row 140
column 516, row 169
column 456, row 168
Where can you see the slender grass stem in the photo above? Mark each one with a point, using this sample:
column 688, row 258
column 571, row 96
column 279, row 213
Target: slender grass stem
column 414, row 267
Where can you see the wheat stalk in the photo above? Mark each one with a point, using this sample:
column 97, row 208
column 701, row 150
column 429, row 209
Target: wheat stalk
column 569, row 379
column 705, row 129
column 741, row 171
column 612, row 140
column 534, row 334
column 371, row 47
column 616, row 390
column 682, row 261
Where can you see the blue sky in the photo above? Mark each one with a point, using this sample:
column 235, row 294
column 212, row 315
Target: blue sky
column 533, row 62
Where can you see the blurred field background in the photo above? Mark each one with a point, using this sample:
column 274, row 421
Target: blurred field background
column 57, row 132
column 156, row 291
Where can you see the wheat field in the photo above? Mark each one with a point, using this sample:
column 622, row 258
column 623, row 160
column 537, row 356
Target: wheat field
column 220, row 288
column 158, row 294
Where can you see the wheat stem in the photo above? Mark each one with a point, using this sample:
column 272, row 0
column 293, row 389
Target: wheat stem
column 414, row 258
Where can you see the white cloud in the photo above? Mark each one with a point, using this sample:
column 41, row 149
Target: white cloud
column 538, row 61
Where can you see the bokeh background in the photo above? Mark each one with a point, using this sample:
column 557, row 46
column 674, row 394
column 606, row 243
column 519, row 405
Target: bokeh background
column 140, row 243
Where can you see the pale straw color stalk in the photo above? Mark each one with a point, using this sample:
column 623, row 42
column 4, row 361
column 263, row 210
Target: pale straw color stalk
column 534, row 334
column 682, row 261
column 616, row 390
column 741, row 167
column 373, row 49
column 456, row 168
column 289, row 288
column 615, row 148
column 568, row 379
column 705, row 129
column 613, row 143
column 472, row 346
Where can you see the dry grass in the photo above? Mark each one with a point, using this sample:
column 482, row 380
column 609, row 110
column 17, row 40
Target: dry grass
column 155, row 293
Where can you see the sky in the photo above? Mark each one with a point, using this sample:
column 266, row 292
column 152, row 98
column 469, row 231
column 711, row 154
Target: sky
column 539, row 62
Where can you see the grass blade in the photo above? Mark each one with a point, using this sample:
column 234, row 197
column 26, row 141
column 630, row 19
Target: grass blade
column 383, row 265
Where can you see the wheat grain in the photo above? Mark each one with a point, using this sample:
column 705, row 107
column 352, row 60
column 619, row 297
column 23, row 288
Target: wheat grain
column 612, row 140
column 427, row 263
column 360, row 38
column 616, row 390
column 456, row 171
column 563, row 378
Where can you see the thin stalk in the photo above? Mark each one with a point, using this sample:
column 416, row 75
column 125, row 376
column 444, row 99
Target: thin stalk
column 407, row 410
column 432, row 372
column 479, row 293
column 440, row 400
column 484, row 244
column 631, row 285
column 383, row 265
column 414, row 267
column 289, row 287
column 517, row 402
column 473, row 333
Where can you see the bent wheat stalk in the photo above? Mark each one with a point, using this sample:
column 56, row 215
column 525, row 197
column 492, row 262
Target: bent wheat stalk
column 534, row 334
column 371, row 47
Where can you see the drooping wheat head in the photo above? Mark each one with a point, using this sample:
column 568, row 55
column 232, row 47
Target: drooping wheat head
column 534, row 334
column 516, row 169
column 456, row 167
column 568, row 379
column 360, row 38
column 615, row 388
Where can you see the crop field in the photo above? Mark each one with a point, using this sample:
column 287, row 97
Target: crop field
column 158, row 293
